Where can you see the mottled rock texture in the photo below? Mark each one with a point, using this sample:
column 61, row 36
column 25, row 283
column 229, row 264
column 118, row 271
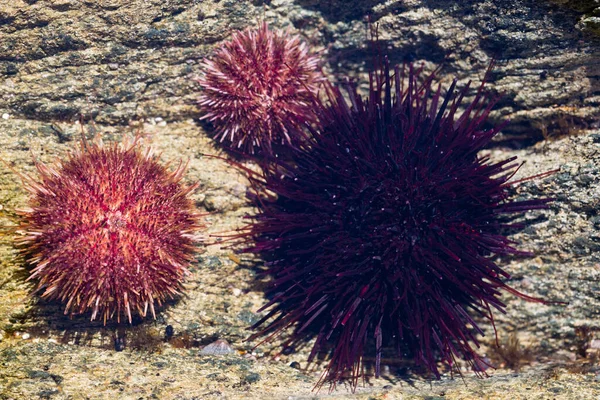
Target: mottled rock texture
column 131, row 64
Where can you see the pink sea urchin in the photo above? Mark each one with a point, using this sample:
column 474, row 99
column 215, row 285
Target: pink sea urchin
column 110, row 230
column 256, row 86
column 382, row 231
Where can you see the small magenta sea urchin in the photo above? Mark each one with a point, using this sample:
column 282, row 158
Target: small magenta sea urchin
column 256, row 86
column 109, row 230
column 382, row 230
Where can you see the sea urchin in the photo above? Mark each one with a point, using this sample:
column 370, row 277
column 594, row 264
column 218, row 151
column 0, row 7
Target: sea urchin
column 109, row 230
column 258, row 85
column 384, row 227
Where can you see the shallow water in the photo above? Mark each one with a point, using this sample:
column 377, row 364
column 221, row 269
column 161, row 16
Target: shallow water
column 125, row 67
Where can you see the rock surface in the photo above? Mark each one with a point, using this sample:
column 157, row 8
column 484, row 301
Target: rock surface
column 130, row 65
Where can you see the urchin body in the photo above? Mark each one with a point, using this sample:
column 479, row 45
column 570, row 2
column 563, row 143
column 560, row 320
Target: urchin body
column 109, row 230
column 256, row 86
column 385, row 226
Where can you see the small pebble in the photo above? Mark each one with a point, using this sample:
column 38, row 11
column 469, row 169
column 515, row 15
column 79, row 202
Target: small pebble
column 169, row 331
column 482, row 364
column 5, row 116
column 119, row 343
column 295, row 364
column 217, row 348
column 252, row 377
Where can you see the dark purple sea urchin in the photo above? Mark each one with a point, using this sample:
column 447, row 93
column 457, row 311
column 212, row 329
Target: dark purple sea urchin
column 258, row 85
column 383, row 228
column 109, row 230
